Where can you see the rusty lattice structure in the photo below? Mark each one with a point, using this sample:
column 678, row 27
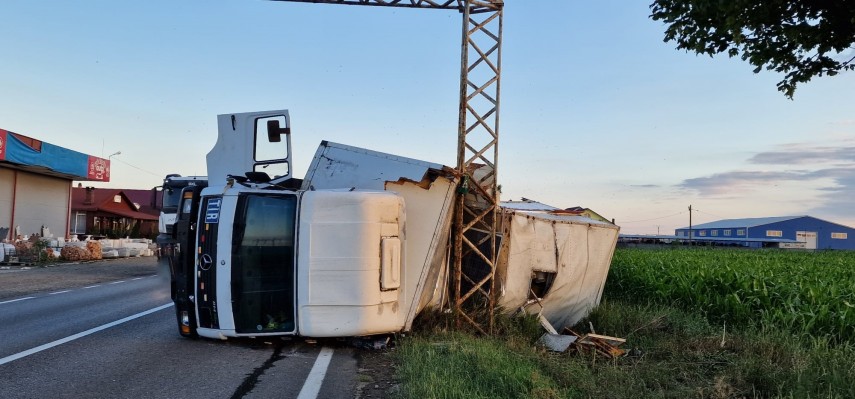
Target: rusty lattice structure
column 474, row 228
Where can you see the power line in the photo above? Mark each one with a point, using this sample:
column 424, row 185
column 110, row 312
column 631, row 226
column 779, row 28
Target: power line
column 138, row 168
column 648, row 220
column 720, row 217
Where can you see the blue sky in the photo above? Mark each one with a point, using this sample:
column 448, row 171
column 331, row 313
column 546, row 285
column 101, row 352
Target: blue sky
column 597, row 110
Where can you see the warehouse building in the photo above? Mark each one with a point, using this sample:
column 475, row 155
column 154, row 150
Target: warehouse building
column 782, row 232
column 35, row 184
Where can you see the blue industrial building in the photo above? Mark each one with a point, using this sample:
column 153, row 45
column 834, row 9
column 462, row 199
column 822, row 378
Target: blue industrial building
column 782, row 232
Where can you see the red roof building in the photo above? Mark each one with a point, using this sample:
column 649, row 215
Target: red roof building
column 109, row 212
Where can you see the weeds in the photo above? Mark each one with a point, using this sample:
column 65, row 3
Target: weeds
column 685, row 337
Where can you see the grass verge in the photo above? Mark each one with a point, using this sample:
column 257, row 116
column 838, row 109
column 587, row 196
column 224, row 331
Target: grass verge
column 675, row 354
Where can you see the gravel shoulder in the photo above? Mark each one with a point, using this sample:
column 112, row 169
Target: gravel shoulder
column 21, row 281
column 376, row 376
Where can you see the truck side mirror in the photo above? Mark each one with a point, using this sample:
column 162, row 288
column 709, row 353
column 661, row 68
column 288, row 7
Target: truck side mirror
column 274, row 132
column 155, row 204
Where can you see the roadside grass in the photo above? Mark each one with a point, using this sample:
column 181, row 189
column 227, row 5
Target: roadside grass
column 450, row 364
column 673, row 354
column 699, row 323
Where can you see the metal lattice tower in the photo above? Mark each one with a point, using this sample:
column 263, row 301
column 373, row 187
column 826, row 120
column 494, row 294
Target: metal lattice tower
column 475, row 218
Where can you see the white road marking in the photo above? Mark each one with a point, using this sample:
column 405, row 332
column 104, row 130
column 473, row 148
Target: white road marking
column 16, row 300
column 59, row 292
column 70, row 338
column 138, row 278
column 313, row 382
column 91, row 286
column 117, row 282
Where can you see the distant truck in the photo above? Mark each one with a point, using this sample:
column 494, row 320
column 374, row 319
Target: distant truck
column 169, row 194
column 357, row 247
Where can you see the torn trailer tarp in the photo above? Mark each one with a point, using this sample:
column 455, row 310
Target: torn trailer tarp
column 553, row 264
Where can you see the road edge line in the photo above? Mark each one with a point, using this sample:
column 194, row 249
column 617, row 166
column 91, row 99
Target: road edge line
column 70, row 338
column 16, row 300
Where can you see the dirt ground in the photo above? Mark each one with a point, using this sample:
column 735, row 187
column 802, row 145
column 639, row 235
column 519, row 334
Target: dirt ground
column 376, row 375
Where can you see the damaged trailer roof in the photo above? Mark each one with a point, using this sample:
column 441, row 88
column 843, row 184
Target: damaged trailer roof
column 342, row 166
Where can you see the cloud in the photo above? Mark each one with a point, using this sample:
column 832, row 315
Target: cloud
column 799, row 154
column 834, row 200
column 837, row 200
column 828, row 171
column 728, row 182
column 835, row 162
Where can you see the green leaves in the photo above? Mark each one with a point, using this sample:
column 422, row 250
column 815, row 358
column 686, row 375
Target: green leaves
column 806, row 293
column 801, row 39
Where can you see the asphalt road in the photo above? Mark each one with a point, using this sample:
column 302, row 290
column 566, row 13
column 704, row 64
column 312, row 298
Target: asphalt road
column 118, row 339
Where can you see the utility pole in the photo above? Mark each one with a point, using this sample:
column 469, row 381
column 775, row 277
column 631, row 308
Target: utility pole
column 690, row 225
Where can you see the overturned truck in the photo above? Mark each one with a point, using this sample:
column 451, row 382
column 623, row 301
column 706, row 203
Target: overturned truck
column 359, row 246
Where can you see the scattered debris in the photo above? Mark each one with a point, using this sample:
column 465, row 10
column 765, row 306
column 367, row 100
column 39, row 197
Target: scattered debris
column 371, row 343
column 602, row 344
column 635, row 352
column 546, row 325
column 557, row 342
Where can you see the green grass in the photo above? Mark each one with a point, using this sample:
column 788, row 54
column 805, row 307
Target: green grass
column 677, row 355
column 684, row 346
column 462, row 366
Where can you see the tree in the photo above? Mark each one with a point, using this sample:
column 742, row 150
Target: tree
column 800, row 38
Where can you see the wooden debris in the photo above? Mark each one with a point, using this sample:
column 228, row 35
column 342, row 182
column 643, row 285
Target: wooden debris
column 610, row 340
column 546, row 325
column 602, row 344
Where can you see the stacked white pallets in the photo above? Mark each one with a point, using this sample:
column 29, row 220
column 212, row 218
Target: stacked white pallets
column 6, row 250
column 107, row 251
column 132, row 247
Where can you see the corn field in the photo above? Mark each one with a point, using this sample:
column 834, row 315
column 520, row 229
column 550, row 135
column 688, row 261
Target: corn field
column 806, row 293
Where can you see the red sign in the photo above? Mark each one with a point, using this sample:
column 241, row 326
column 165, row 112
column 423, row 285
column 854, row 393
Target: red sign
column 3, row 137
column 99, row 169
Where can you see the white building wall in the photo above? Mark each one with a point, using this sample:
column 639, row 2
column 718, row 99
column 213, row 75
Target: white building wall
column 41, row 201
column 7, row 181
